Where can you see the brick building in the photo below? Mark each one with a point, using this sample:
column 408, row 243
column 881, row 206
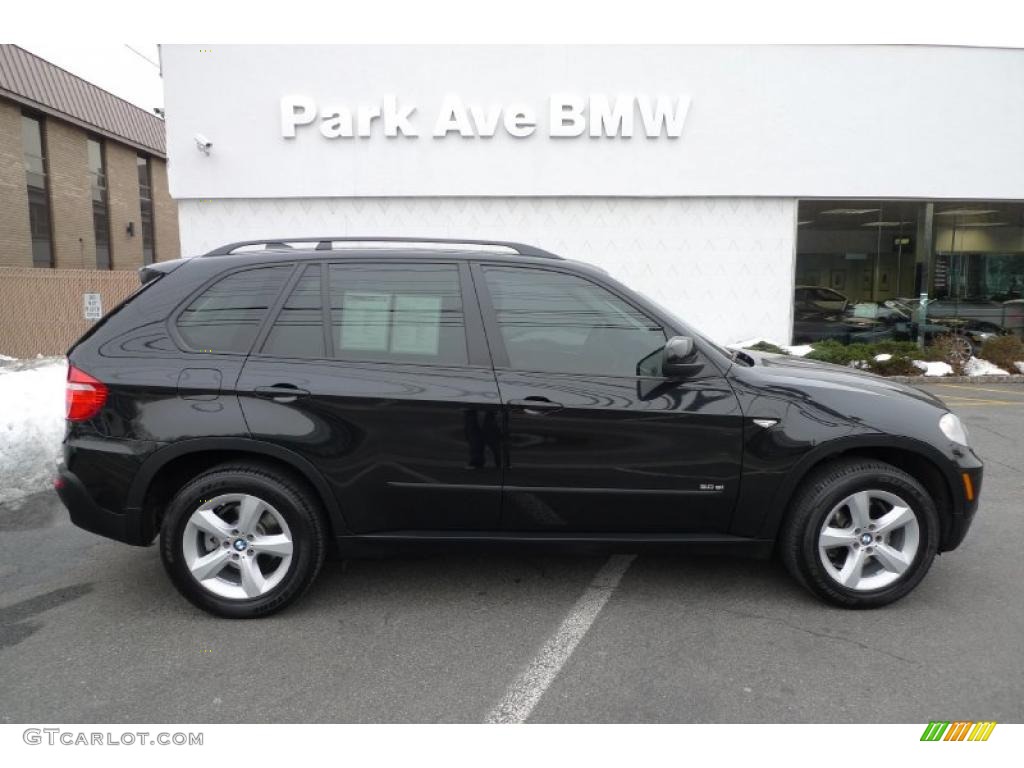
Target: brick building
column 83, row 174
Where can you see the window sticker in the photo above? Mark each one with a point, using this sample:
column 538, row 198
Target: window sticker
column 417, row 329
column 365, row 320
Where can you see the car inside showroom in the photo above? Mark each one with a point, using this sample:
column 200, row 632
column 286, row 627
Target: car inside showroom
column 908, row 270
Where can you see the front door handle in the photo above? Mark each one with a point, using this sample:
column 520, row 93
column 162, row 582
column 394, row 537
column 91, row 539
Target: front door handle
column 535, row 406
column 282, row 393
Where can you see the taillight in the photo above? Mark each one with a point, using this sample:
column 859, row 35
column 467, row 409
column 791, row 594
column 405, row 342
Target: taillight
column 84, row 395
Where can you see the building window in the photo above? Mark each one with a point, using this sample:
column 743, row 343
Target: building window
column 146, row 202
column 863, row 268
column 100, row 210
column 38, row 195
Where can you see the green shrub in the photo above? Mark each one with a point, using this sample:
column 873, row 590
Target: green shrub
column 832, row 351
column 931, row 354
column 764, row 346
column 1003, row 351
column 897, row 365
column 906, row 348
column 947, row 348
column 900, row 364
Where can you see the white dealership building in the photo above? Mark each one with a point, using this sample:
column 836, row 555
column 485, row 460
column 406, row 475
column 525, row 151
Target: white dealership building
column 712, row 178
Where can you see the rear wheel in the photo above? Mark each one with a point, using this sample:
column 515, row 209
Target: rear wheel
column 860, row 534
column 242, row 541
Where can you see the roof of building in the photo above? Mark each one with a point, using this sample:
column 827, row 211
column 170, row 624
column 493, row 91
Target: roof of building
column 36, row 83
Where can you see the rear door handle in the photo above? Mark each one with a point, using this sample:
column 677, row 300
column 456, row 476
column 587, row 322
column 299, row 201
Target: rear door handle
column 535, row 406
column 282, row 393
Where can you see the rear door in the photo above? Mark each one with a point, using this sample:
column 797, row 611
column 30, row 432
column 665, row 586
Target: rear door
column 597, row 439
column 377, row 372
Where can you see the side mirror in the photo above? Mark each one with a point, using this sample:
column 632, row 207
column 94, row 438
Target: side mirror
column 681, row 359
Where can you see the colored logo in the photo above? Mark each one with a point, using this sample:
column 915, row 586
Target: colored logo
column 960, row 730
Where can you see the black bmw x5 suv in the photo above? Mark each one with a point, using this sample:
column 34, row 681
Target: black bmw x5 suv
column 270, row 402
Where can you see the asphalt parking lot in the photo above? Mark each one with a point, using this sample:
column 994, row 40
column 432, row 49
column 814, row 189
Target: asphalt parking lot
column 92, row 631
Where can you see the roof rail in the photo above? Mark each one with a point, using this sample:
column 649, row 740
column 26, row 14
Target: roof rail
column 327, row 244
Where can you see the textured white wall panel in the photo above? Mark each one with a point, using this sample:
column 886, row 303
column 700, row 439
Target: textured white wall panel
column 764, row 121
column 723, row 264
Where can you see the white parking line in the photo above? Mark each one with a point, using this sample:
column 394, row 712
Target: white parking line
column 523, row 695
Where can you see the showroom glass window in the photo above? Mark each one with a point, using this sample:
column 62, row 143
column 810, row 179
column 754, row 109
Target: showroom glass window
column 33, row 147
column 228, row 314
column 100, row 202
column 559, row 323
column 401, row 313
column 871, row 261
column 146, row 206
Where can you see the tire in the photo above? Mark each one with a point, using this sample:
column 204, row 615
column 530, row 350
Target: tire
column 839, row 494
column 235, row 573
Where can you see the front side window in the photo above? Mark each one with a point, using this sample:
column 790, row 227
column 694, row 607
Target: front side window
column 38, row 193
column 559, row 323
column 146, row 209
column 228, row 314
column 100, row 212
column 408, row 313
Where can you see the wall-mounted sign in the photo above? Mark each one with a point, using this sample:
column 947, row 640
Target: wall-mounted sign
column 565, row 115
column 904, row 242
column 92, row 306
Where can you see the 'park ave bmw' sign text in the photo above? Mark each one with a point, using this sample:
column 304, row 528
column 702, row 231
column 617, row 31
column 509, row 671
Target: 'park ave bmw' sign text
column 566, row 115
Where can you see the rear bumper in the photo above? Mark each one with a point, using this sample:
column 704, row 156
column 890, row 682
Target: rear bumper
column 87, row 514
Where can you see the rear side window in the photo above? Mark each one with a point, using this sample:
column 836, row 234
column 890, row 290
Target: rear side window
column 397, row 313
column 298, row 330
column 228, row 314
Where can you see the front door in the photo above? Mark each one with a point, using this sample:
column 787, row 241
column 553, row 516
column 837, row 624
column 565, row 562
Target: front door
column 596, row 439
column 377, row 373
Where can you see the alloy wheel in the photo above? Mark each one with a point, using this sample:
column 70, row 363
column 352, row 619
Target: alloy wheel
column 237, row 546
column 869, row 540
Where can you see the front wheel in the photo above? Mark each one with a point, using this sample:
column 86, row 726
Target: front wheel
column 242, row 541
column 860, row 533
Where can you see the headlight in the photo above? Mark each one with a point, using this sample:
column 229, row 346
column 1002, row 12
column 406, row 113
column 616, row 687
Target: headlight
column 953, row 428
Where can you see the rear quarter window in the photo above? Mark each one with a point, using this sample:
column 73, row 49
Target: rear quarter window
column 227, row 316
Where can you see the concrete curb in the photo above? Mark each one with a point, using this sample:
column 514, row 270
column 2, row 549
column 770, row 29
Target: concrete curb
column 996, row 378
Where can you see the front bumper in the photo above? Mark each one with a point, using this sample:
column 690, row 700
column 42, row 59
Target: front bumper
column 87, row 514
column 963, row 512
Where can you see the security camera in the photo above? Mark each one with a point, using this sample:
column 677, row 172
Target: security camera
column 203, row 143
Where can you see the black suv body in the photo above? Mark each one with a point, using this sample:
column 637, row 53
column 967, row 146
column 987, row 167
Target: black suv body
column 259, row 408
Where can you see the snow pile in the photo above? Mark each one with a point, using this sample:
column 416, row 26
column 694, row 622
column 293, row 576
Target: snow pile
column 31, row 426
column 934, row 368
column 978, row 367
column 1020, row 367
column 882, row 358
